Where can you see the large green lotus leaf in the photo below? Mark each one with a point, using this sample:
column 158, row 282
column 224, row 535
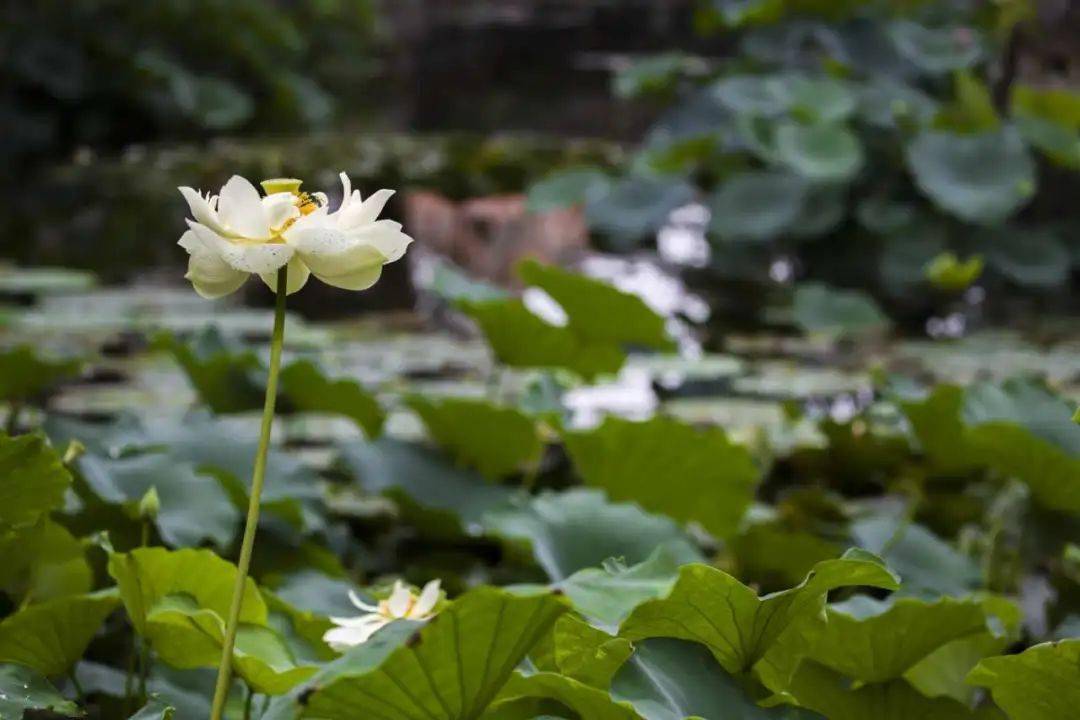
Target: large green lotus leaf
column 441, row 498
column 708, row 606
column 43, row 561
column 885, row 101
column 155, row 709
column 673, row 679
column 825, row 152
column 307, row 389
column 585, row 701
column 766, row 96
column 578, row 650
column 188, row 636
column 812, row 98
column 831, row 694
column 566, row 188
column 776, row 556
column 452, row 284
column 943, row 673
column 1024, row 431
column 23, row 689
column 521, row 339
column 452, row 669
column 608, row 594
column 50, row 637
column 194, row 506
column 597, row 311
column 981, row 178
column 356, row 660
column 33, row 479
column 930, row 566
column 146, row 576
column 936, row 423
column 935, row 50
column 821, row 99
column 819, row 308
column 229, row 453
column 757, row 206
column 636, row 206
column 580, row 528
column 669, row 467
column 1041, row 683
column 228, row 378
column 824, row 208
column 874, row 641
column 213, row 446
column 1028, row 257
column 24, row 374
column 301, row 630
column 495, row 440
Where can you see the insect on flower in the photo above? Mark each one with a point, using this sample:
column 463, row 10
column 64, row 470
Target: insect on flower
column 240, row 232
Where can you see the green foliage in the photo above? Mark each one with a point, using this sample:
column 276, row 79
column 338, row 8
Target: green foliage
column 178, row 67
column 32, row 479
column 1038, row 684
column 871, row 644
column 708, row 606
column 452, row 668
column 601, row 321
column 828, row 311
column 669, row 467
column 225, row 377
column 307, row 389
column 806, row 110
column 155, row 710
column 25, row 375
column 51, row 636
column 566, row 188
column 23, row 689
column 495, row 440
column 178, row 602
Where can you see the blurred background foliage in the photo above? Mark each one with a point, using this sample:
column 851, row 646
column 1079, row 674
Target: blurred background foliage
column 110, row 72
column 905, row 148
column 910, row 150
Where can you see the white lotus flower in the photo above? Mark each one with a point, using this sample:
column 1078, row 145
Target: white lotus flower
column 403, row 604
column 240, row 232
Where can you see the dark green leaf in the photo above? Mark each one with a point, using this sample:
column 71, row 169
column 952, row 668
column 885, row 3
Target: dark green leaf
column 309, row 390
column 495, row 440
column 981, row 178
column 709, row 606
column 51, row 636
column 669, row 467
column 23, row 689
column 1041, row 683
column 33, row 480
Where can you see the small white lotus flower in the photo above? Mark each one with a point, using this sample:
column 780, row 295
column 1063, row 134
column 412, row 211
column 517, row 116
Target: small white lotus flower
column 240, row 232
column 403, row 604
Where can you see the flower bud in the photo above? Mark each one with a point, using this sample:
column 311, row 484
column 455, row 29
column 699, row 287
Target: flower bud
column 150, row 505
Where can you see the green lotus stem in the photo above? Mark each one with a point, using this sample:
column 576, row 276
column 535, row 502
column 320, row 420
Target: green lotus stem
column 221, row 690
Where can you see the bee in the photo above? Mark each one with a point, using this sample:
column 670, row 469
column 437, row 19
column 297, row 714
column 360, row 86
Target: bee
column 307, row 203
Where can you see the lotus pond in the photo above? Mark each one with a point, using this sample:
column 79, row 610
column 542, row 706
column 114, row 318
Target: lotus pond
column 787, row 526
column 756, row 402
